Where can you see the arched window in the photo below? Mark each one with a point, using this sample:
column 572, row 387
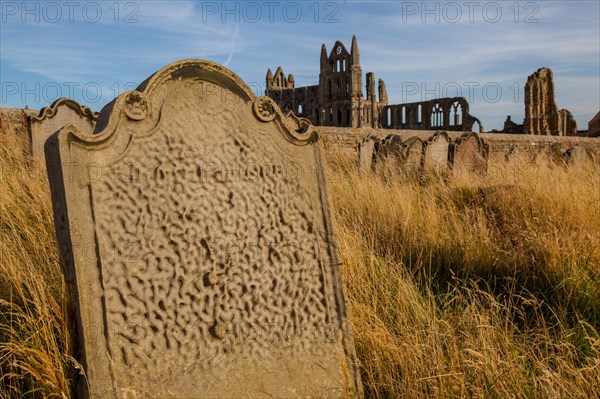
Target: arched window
column 403, row 115
column 456, row 115
column 300, row 108
column 344, row 65
column 437, row 116
column 419, row 114
column 339, row 66
column 389, row 117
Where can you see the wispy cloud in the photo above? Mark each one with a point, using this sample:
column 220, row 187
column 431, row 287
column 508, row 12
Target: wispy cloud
column 399, row 48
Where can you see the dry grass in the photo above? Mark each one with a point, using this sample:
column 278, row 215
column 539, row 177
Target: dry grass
column 34, row 339
column 473, row 287
column 469, row 288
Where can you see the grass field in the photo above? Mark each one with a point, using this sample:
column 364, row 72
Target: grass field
column 472, row 287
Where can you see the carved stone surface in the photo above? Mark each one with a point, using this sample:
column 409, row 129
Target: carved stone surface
column 62, row 112
column 469, row 155
column 437, row 152
column 366, row 152
column 196, row 231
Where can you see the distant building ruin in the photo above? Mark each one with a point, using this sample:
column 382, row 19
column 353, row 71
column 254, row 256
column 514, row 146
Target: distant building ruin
column 338, row 99
column 594, row 126
column 542, row 116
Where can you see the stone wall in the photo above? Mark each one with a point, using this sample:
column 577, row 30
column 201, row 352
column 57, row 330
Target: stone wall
column 347, row 139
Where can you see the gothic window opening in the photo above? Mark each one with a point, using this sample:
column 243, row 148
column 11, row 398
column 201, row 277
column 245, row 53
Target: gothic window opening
column 437, row 116
column 456, row 116
column 419, row 114
column 404, row 115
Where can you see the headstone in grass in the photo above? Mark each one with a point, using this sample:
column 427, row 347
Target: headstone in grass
column 50, row 119
column 469, row 155
column 195, row 229
column 437, row 152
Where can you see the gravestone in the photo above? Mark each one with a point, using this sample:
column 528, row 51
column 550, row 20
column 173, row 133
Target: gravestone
column 469, row 155
column 576, row 155
column 413, row 159
column 437, row 152
column 390, row 152
column 62, row 112
column 366, row 152
column 195, row 229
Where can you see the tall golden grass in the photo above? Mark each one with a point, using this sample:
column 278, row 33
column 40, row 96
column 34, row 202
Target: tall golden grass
column 462, row 287
column 35, row 353
column 469, row 286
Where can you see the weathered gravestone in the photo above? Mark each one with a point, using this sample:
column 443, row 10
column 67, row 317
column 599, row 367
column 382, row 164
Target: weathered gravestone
column 469, row 155
column 437, row 152
column 366, row 152
column 576, row 155
column 195, row 225
column 413, row 159
column 62, row 112
column 389, row 152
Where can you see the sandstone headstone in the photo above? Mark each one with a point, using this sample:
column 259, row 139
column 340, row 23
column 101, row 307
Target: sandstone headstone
column 437, row 152
column 195, row 225
column 62, row 112
column 469, row 155
column 390, row 151
column 576, row 155
column 413, row 159
column 366, row 152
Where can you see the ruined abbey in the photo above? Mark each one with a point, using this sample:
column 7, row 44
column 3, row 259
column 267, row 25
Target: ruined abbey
column 338, row 99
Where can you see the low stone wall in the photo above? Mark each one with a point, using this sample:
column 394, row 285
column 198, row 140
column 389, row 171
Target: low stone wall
column 348, row 139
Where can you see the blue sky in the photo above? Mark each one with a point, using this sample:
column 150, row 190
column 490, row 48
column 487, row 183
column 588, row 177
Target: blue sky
column 483, row 50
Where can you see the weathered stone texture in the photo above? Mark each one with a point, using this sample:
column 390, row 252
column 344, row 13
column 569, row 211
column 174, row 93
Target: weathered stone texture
column 542, row 116
column 62, row 112
column 437, row 152
column 201, row 247
column 414, row 149
column 366, row 152
column 576, row 155
column 469, row 155
column 594, row 126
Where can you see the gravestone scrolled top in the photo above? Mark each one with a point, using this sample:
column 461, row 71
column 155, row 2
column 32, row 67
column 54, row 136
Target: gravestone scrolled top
column 390, row 151
column 437, row 152
column 414, row 148
column 195, row 229
column 50, row 119
column 469, row 154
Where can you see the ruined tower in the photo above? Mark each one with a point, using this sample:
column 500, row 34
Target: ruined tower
column 340, row 85
column 338, row 99
column 542, row 116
